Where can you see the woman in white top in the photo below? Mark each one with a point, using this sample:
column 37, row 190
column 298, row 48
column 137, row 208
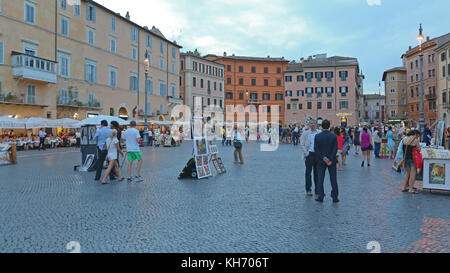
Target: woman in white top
column 112, row 146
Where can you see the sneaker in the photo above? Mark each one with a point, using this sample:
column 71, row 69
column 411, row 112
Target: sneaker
column 129, row 179
column 139, row 179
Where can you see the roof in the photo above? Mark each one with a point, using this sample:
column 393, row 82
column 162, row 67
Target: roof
column 373, row 96
column 155, row 31
column 247, row 58
column 438, row 41
column 334, row 61
column 442, row 40
column 191, row 54
column 294, row 68
column 398, row 68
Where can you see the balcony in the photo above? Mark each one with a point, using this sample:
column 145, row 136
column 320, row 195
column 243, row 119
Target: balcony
column 446, row 105
column 254, row 101
column 15, row 100
column 431, row 96
column 33, row 68
column 175, row 100
column 75, row 103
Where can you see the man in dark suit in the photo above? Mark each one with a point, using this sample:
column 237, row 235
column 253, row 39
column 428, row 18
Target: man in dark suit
column 326, row 147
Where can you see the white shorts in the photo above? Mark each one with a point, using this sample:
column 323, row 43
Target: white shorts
column 112, row 157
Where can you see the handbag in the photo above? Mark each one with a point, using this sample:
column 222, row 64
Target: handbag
column 418, row 160
column 237, row 144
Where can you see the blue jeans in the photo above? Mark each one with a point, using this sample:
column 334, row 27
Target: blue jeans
column 377, row 149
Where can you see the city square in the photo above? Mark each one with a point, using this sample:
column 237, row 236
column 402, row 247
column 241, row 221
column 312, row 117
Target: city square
column 260, row 206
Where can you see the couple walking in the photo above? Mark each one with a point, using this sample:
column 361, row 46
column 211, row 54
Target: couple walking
column 108, row 147
column 319, row 151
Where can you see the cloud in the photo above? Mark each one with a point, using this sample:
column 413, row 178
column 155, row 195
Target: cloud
column 374, row 2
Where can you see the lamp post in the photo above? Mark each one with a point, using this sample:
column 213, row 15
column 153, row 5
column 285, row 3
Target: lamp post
column 379, row 100
column 147, row 68
column 422, row 118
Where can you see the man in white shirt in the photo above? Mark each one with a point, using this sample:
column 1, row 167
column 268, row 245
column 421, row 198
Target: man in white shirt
column 132, row 138
column 42, row 135
column 150, row 137
column 307, row 146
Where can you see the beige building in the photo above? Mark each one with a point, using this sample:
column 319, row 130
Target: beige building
column 324, row 88
column 64, row 60
column 443, row 77
column 201, row 78
column 395, row 89
column 374, row 108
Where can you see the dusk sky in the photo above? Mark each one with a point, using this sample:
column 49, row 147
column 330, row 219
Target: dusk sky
column 377, row 32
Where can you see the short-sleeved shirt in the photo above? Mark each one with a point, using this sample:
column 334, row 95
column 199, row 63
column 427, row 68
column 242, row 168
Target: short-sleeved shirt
column 112, row 149
column 131, row 136
column 340, row 139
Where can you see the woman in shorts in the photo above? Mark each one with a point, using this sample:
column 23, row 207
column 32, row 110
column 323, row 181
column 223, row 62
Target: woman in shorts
column 113, row 148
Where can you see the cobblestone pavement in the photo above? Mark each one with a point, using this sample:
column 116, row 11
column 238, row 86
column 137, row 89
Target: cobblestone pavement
column 257, row 207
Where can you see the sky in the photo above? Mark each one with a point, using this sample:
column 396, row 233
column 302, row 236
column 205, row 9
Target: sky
column 377, row 32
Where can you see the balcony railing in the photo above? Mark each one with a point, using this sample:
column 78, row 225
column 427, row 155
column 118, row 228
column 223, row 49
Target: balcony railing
column 33, row 68
column 14, row 99
column 431, row 96
column 63, row 101
column 254, row 101
column 175, row 100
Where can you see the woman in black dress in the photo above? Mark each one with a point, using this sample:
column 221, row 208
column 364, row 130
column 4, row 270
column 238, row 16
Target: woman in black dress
column 356, row 140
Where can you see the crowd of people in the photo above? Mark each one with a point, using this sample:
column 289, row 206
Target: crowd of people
column 42, row 140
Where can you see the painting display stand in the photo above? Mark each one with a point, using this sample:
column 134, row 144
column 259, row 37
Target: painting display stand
column 436, row 169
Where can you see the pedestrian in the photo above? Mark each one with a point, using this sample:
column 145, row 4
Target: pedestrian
column 78, row 138
column 42, row 135
column 150, row 137
column 426, row 138
column 102, row 134
column 247, row 134
column 377, row 141
column 310, row 156
column 295, row 135
column 447, row 134
column 224, row 136
column 347, row 142
column 409, row 143
column 390, row 142
column 237, row 147
column 115, row 125
column 356, row 140
column 340, row 140
column 366, row 146
column 326, row 147
column 132, row 139
column 229, row 135
column 113, row 148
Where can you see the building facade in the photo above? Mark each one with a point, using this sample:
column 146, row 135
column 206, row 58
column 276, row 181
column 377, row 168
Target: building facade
column 395, row 89
column 201, row 78
column 411, row 60
column 254, row 84
column 65, row 60
column 443, row 77
column 374, row 108
column 324, row 88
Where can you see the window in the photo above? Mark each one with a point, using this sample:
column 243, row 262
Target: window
column 288, row 78
column 253, row 81
column 173, row 67
column 31, row 94
column 266, row 82
column 319, row 105
column 266, row 70
column 194, row 66
column 319, row 91
column 2, row 53
column 194, row 81
column 329, row 105
column 343, row 104
column 288, row 93
column 63, row 4
column 174, row 52
column 90, row 13
column 300, row 93
column 253, row 69
column 343, row 90
column 309, row 105
column 162, row 89
column 403, row 100
column 161, row 47
column 403, row 91
column 329, row 91
column 91, row 36
column 241, row 69
column 64, row 26
column 113, row 24
column 392, row 78
column 241, row 81
column 134, row 34
column 241, row 96
column 134, row 53
column 393, row 114
column 228, row 80
column 278, row 70
column 343, row 75
column 229, row 96
column 30, row 12
column 161, row 63
column 215, row 86
column 278, row 96
column 288, row 106
column 309, row 76
column 112, row 76
column 220, row 87
column 392, row 102
column 329, row 76
column 90, row 98
column 91, row 71
column 300, row 78
column 319, row 76
column 309, row 91
column 0, row 81
column 64, row 65
column 443, row 71
column 134, row 85
column 76, row 9
column 392, row 90
column 266, row 96
column 443, row 57
column 172, row 89
column 112, row 45
column 63, row 97
column 278, row 82
column 228, row 68
column 444, row 97
column 201, row 83
column 209, row 87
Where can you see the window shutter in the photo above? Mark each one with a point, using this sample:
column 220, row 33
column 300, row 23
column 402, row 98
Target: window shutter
column 1, row 53
column 95, row 73
column 86, row 72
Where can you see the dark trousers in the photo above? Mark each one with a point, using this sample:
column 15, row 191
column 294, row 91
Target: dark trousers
column 78, row 142
column 150, row 140
column 311, row 166
column 377, row 149
column 100, row 161
column 41, row 143
column 295, row 139
column 321, row 167
column 223, row 140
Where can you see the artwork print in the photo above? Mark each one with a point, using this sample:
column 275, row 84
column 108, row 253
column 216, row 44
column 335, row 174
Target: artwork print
column 437, row 173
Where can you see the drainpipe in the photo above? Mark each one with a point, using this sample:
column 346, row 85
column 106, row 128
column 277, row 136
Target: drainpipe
column 56, row 30
column 138, row 67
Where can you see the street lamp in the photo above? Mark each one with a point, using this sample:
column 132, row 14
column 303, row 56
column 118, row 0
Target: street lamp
column 422, row 118
column 379, row 100
column 147, row 68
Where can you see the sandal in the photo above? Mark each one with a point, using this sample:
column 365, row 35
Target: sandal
column 405, row 190
column 414, row 192
column 105, row 183
column 121, row 179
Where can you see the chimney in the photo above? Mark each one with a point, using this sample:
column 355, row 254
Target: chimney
column 128, row 15
column 302, row 59
column 410, row 48
column 428, row 38
column 224, row 53
column 268, row 57
column 146, row 27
